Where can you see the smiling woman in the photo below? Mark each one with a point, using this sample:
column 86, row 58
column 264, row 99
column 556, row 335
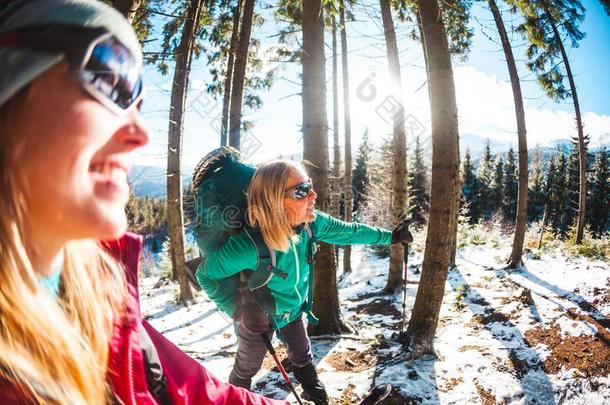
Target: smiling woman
column 70, row 329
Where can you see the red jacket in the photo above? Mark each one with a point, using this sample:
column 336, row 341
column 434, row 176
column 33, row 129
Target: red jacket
column 188, row 382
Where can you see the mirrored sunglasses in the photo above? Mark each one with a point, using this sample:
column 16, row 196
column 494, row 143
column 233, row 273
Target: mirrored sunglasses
column 103, row 66
column 300, row 191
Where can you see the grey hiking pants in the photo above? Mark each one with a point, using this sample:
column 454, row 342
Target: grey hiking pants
column 251, row 349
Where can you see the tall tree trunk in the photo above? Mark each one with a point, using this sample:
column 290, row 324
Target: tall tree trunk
column 128, row 8
column 175, row 213
column 315, row 150
column 399, row 175
column 515, row 260
column 445, row 173
column 335, row 185
column 239, row 72
column 456, row 202
column 226, row 99
column 347, row 179
column 582, row 153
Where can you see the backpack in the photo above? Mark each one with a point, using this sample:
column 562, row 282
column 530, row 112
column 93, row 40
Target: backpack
column 220, row 182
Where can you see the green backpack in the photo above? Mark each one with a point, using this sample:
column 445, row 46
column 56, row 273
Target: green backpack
column 220, row 181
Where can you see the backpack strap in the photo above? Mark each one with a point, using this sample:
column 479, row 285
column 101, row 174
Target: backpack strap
column 266, row 266
column 311, row 251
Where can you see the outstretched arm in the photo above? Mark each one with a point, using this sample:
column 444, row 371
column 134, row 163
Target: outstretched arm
column 331, row 230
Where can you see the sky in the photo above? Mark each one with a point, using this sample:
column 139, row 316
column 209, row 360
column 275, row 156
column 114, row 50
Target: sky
column 484, row 96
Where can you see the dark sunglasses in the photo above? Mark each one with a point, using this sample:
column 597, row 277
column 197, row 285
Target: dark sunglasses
column 102, row 65
column 299, row 191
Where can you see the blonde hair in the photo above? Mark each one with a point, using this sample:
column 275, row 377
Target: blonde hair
column 52, row 350
column 266, row 203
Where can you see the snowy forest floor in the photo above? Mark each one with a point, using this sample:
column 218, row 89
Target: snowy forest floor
column 538, row 335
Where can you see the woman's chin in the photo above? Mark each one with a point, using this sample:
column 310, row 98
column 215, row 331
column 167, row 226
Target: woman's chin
column 112, row 227
column 311, row 216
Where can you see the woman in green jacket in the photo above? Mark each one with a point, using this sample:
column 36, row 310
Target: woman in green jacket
column 281, row 204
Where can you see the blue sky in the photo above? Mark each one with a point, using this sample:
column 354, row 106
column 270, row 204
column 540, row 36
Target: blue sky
column 484, row 96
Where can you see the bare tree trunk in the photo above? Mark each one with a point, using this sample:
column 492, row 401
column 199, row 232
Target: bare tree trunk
column 175, row 213
column 226, row 99
column 347, row 123
column 445, row 173
column 128, row 8
column 239, row 73
column 399, row 177
column 582, row 153
column 336, row 183
column 315, row 150
column 335, row 191
column 515, row 260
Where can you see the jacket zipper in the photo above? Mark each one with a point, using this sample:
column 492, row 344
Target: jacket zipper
column 132, row 395
column 296, row 281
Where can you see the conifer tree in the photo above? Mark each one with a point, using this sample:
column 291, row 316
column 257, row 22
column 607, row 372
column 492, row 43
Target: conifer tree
column 485, row 179
column 497, row 188
column 537, row 197
column 548, row 25
column 360, row 179
column 419, row 196
column 510, row 186
column 470, row 189
column 599, row 213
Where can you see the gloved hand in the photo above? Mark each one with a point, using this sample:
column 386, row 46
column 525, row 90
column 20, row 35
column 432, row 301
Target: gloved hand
column 401, row 233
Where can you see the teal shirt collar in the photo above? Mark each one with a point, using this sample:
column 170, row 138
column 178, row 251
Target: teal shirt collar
column 51, row 282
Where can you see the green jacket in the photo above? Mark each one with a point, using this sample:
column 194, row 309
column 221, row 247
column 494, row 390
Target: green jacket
column 290, row 293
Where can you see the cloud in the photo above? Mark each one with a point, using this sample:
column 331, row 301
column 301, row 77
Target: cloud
column 486, row 109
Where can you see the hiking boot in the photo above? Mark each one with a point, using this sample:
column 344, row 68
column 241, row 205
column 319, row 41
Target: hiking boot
column 313, row 389
column 240, row 382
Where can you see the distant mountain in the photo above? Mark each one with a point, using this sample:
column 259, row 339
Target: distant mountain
column 151, row 181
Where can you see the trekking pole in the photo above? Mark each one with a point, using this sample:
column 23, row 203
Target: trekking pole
column 280, row 367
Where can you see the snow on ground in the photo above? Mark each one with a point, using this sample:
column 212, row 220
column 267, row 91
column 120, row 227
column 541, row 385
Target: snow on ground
column 538, row 335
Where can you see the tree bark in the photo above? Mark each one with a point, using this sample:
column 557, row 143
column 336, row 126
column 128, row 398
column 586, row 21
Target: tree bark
column 175, row 213
column 315, row 150
column 516, row 257
column 445, row 174
column 335, row 185
column 226, row 99
column 399, row 175
column 128, row 8
column 582, row 153
column 239, row 73
column 347, row 124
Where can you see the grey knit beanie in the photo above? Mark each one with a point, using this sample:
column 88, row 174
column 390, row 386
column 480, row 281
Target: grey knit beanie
column 20, row 66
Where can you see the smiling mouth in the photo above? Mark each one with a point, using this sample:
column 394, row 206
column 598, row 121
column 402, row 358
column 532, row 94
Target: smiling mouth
column 110, row 171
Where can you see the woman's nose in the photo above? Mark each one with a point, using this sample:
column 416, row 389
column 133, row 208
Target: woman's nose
column 135, row 133
column 312, row 195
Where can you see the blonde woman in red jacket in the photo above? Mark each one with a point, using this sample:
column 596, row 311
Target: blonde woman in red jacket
column 70, row 327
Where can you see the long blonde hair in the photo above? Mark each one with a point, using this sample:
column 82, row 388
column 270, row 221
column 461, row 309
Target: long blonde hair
column 266, row 203
column 54, row 351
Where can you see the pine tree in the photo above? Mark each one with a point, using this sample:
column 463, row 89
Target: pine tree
column 548, row 24
column 510, row 187
column 419, row 196
column 360, row 179
column 599, row 212
column 537, row 196
column 470, row 189
column 555, row 188
column 485, row 180
column 497, row 189
column 442, row 222
column 572, row 182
